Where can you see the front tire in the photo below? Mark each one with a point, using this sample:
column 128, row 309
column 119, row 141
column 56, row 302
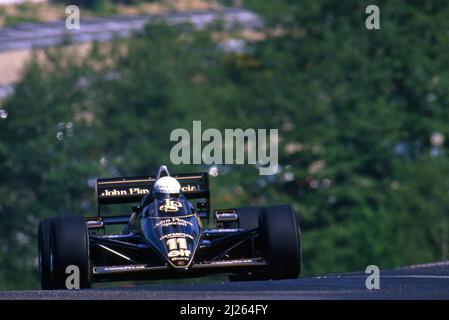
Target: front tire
column 281, row 243
column 44, row 254
column 70, row 246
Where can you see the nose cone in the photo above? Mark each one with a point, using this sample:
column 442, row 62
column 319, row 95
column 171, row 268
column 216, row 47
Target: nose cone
column 173, row 231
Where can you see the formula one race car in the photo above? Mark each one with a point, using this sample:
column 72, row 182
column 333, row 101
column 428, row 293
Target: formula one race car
column 164, row 237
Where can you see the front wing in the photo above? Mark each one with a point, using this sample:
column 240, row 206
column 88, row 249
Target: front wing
column 231, row 251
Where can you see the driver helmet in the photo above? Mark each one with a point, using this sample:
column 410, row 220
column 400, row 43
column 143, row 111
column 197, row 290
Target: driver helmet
column 166, row 187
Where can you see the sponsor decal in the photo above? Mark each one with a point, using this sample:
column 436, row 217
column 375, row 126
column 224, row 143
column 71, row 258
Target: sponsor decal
column 190, row 188
column 124, row 192
column 170, row 206
column 178, row 251
column 178, row 248
column 172, row 222
column 124, row 268
column 233, row 261
column 176, row 235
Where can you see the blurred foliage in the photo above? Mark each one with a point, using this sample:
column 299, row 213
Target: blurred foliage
column 24, row 13
column 355, row 111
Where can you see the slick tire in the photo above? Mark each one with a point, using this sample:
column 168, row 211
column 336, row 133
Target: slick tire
column 43, row 249
column 70, row 247
column 281, row 242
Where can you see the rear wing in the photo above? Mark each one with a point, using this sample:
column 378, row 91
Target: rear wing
column 133, row 189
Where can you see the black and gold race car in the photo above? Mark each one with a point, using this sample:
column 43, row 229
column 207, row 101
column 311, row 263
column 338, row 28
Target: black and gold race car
column 168, row 238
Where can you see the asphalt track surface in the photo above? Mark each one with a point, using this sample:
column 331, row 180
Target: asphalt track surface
column 429, row 281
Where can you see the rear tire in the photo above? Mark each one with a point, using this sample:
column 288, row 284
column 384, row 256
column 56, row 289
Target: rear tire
column 70, row 246
column 43, row 249
column 281, row 242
